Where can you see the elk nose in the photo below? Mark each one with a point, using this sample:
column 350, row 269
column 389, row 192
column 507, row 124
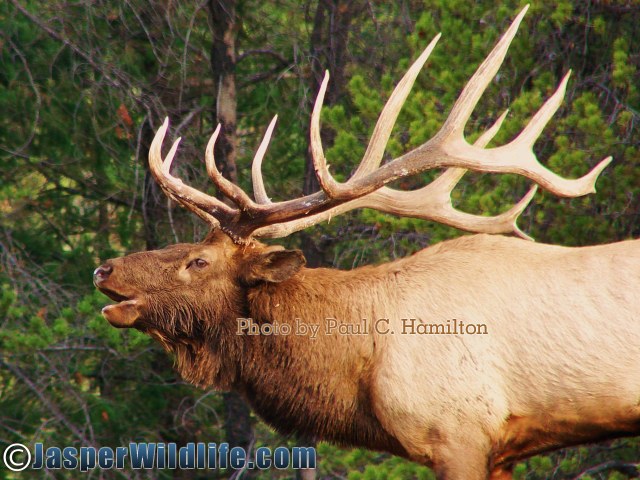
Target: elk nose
column 102, row 273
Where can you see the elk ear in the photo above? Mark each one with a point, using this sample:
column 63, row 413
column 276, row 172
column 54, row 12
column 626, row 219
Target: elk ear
column 273, row 265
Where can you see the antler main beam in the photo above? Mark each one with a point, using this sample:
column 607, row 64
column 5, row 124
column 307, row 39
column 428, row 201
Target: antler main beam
column 366, row 188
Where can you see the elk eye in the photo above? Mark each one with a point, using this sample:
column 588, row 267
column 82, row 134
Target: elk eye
column 198, row 263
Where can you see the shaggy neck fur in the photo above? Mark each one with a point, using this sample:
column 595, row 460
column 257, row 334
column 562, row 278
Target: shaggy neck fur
column 204, row 342
column 315, row 388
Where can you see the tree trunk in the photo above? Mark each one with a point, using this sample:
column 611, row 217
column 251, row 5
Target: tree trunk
column 328, row 49
column 222, row 13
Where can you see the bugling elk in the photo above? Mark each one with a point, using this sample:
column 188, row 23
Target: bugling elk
column 558, row 362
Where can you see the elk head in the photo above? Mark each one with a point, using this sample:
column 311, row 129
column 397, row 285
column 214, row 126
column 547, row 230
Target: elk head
column 187, row 282
column 184, row 295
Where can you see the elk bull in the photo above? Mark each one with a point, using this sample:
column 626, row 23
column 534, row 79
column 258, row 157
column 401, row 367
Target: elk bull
column 557, row 359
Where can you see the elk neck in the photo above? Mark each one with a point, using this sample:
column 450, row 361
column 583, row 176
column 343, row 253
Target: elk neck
column 317, row 386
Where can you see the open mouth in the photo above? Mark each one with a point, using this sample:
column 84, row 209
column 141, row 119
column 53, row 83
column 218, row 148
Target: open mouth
column 117, row 297
column 122, row 314
column 120, row 304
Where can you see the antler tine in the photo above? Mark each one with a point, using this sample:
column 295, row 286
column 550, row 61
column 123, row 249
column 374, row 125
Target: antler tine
column 381, row 132
column 325, row 179
column 533, row 129
column 206, row 207
column 473, row 90
column 425, row 205
column 228, row 189
column 390, row 112
column 484, row 139
column 259, row 192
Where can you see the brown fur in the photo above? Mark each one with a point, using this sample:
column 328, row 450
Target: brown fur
column 552, row 370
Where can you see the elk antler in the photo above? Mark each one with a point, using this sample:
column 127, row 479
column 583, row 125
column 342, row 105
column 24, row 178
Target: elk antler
column 366, row 187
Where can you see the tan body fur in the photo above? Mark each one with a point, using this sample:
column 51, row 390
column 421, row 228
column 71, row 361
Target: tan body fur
column 559, row 364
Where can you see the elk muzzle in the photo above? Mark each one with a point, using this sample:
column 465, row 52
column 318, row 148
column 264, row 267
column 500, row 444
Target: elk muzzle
column 124, row 313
